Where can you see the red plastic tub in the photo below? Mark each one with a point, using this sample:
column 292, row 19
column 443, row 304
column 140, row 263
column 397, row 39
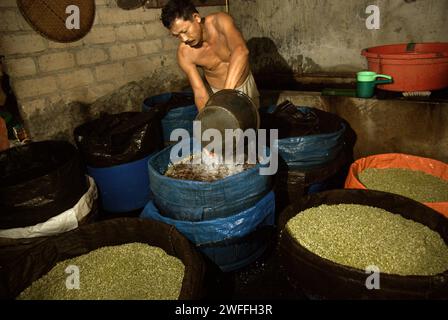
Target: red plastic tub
column 413, row 66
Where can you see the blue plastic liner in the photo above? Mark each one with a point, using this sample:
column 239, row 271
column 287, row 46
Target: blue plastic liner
column 198, row 201
column 310, row 150
column 177, row 118
column 230, row 242
column 124, row 187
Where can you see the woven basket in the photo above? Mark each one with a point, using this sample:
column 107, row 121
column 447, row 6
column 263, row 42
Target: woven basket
column 48, row 18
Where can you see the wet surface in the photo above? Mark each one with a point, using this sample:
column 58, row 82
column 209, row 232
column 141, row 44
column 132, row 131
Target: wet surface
column 264, row 279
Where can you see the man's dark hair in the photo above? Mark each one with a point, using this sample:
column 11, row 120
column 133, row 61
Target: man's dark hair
column 177, row 9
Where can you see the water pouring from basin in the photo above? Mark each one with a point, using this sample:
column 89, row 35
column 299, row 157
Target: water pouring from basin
column 229, row 110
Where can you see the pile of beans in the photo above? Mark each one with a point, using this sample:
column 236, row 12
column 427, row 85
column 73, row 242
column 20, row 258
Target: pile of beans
column 416, row 185
column 134, row 271
column 361, row 236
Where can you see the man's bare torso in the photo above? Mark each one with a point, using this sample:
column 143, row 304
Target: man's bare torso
column 213, row 56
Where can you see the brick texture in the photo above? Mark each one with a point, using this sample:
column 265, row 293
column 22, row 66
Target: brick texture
column 56, row 61
column 122, row 46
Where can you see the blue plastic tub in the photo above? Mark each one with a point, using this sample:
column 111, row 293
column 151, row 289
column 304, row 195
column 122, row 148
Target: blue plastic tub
column 232, row 242
column 177, row 118
column 198, row 201
column 124, row 187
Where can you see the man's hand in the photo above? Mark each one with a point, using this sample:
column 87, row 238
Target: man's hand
column 201, row 102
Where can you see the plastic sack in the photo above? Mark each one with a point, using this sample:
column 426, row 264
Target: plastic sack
column 19, row 267
column 198, row 201
column 66, row 221
column 307, row 136
column 39, row 180
column 177, row 110
column 119, row 138
column 291, row 184
column 166, row 102
column 314, row 150
column 232, row 242
column 403, row 161
column 212, row 231
column 323, row 278
column 180, row 118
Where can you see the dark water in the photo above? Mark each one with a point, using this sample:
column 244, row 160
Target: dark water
column 264, row 279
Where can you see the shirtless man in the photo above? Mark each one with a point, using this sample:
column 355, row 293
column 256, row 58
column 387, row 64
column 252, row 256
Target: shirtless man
column 214, row 44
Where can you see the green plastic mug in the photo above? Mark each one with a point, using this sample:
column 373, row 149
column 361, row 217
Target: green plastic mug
column 366, row 82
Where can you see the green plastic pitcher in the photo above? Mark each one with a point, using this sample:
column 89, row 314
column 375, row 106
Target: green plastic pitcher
column 366, row 82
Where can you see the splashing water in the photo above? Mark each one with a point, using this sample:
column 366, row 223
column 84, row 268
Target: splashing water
column 211, row 168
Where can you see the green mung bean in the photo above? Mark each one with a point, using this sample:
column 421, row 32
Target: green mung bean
column 133, row 271
column 361, row 236
column 413, row 184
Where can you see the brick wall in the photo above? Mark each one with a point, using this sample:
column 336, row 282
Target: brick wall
column 122, row 46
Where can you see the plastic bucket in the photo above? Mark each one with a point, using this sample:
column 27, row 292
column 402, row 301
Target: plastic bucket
column 124, row 187
column 366, row 82
column 413, row 66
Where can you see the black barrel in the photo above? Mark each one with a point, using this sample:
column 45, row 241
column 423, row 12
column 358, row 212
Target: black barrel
column 39, row 180
column 19, row 268
column 325, row 279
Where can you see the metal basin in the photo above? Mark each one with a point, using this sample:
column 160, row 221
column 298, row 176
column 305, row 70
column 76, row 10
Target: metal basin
column 229, row 109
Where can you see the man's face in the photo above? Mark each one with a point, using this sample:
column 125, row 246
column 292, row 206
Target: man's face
column 188, row 31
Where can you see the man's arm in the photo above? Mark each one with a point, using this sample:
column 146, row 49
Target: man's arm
column 239, row 54
column 200, row 91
